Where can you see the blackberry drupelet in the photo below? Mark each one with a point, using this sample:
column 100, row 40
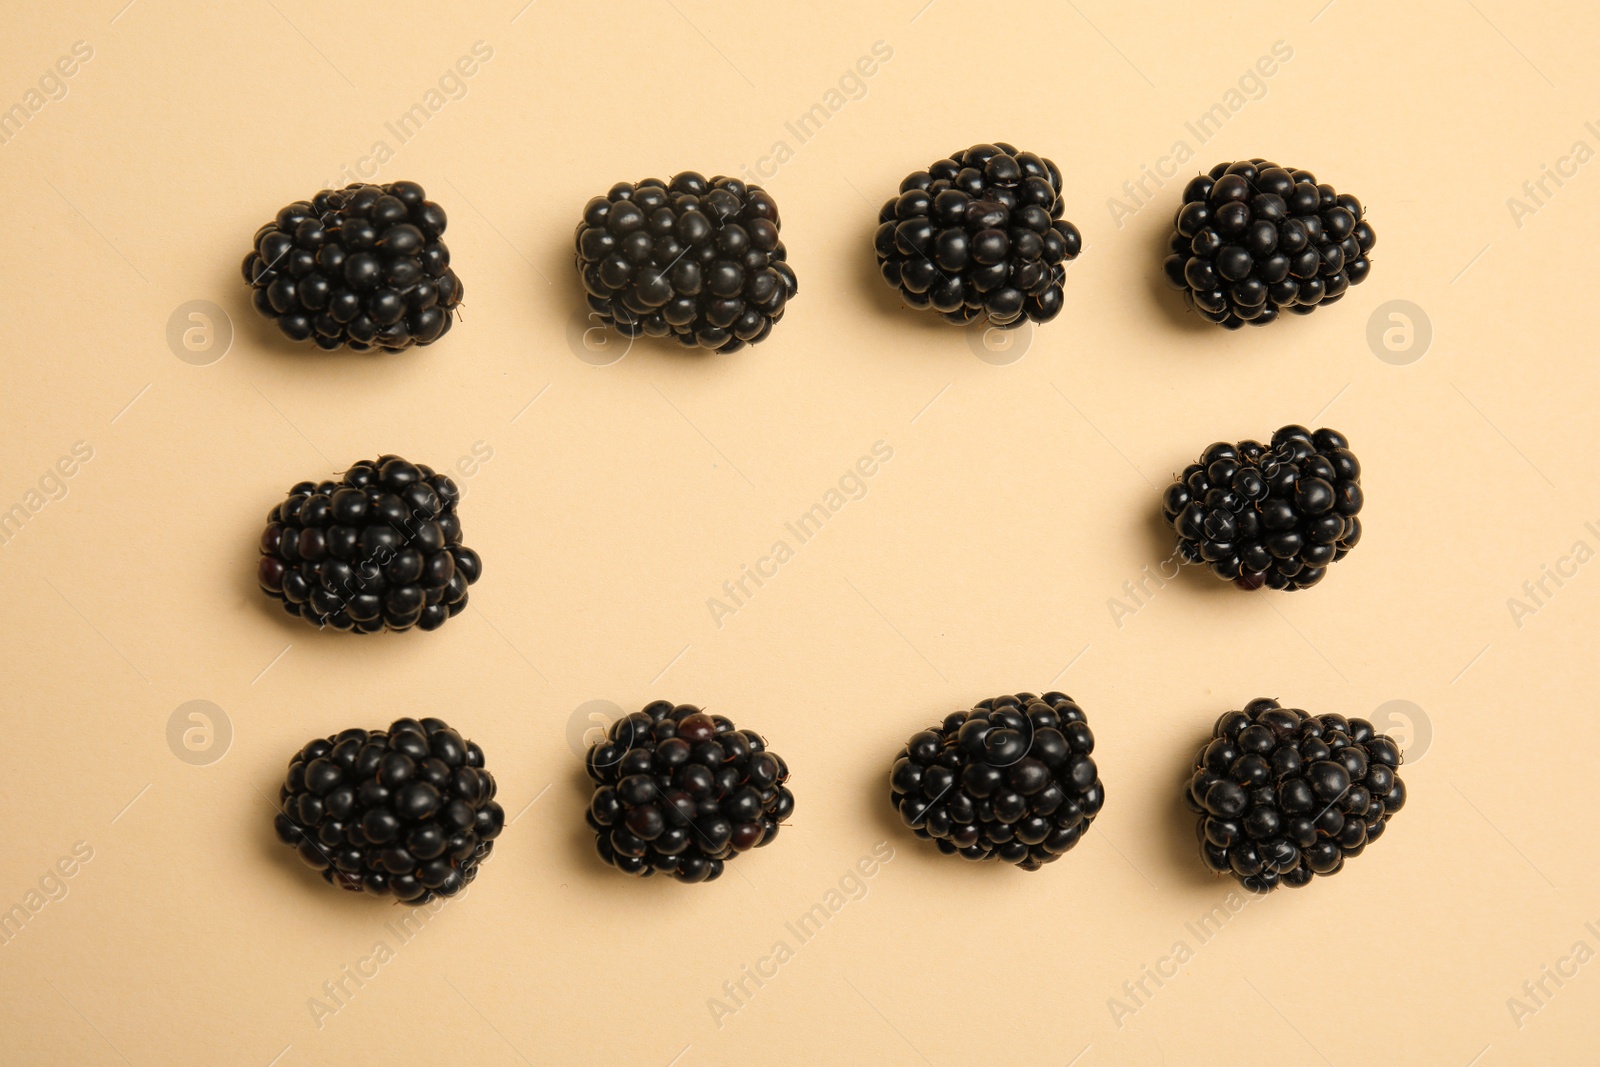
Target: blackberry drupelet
column 979, row 236
column 1253, row 239
column 695, row 260
column 1273, row 515
column 361, row 267
column 1283, row 796
column 407, row 812
column 379, row 549
column 1012, row 779
column 682, row 792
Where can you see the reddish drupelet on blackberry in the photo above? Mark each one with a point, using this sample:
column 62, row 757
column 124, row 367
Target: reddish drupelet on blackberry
column 379, row 549
column 979, row 236
column 682, row 792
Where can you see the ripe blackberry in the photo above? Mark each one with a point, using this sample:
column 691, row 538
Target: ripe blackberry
column 979, row 236
column 363, row 267
column 695, row 260
column 408, row 811
column 379, row 549
column 1273, row 515
column 1012, row 779
column 682, row 792
column 1283, row 795
column 1253, row 238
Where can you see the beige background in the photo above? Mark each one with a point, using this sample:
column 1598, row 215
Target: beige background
column 983, row 558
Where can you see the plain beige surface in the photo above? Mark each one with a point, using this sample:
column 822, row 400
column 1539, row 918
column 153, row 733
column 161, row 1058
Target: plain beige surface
column 984, row 557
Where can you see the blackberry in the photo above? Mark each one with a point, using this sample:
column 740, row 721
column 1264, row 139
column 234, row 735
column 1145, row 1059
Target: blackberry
column 1012, row 779
column 695, row 260
column 1283, row 795
column 407, row 812
column 682, row 792
column 361, row 267
column 1273, row 515
column 979, row 236
column 379, row 549
column 1253, row 239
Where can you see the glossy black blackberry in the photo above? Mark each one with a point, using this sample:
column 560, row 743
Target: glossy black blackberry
column 682, row 792
column 1253, row 239
column 1012, row 780
column 1273, row 515
column 695, row 260
column 379, row 549
column 407, row 812
column 1283, row 796
column 979, row 236
column 361, row 267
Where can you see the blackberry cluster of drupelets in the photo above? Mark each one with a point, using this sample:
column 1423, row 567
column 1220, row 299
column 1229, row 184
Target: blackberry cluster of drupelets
column 407, row 812
column 364, row 267
column 1010, row 780
column 1254, row 239
column 1275, row 515
column 695, row 260
column 682, row 792
column 979, row 236
column 1283, row 796
column 379, row 549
